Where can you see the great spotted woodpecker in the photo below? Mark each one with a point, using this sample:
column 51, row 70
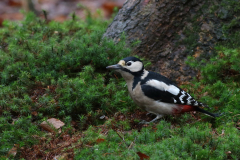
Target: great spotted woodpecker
column 154, row 92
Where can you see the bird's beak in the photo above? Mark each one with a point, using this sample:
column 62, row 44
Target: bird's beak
column 114, row 67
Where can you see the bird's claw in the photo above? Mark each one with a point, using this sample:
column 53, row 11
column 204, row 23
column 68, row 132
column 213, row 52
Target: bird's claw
column 219, row 114
column 144, row 122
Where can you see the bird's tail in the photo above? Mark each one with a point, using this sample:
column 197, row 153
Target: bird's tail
column 214, row 115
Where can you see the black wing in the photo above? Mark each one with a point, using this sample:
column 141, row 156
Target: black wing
column 166, row 91
column 157, row 94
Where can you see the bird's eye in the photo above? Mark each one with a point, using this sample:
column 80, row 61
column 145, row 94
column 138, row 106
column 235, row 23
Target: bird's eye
column 129, row 63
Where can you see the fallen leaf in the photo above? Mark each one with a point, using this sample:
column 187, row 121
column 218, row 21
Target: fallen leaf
column 108, row 7
column 142, row 156
column 66, row 137
column 100, row 140
column 1, row 21
column 64, row 144
column 34, row 113
column 13, row 151
column 52, row 124
column 13, row 120
column 14, row 3
column 205, row 94
column 61, row 157
column 102, row 117
column 222, row 134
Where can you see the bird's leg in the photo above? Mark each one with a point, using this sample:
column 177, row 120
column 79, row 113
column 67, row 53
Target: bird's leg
column 149, row 114
column 144, row 122
column 156, row 118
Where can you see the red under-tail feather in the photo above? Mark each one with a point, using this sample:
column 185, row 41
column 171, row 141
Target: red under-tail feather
column 183, row 109
column 187, row 108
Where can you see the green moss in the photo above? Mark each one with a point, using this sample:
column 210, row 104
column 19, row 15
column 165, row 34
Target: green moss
column 220, row 79
column 56, row 70
column 196, row 141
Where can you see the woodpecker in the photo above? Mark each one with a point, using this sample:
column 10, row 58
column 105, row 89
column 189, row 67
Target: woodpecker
column 154, row 92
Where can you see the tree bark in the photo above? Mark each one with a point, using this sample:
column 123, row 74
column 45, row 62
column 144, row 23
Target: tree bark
column 159, row 25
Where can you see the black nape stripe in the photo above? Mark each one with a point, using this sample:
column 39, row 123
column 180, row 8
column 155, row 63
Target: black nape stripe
column 137, row 78
column 135, row 81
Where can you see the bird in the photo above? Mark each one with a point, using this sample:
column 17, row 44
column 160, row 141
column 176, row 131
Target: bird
column 154, row 92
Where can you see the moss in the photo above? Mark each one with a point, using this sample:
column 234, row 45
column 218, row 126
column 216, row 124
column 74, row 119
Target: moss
column 51, row 69
column 56, row 70
column 196, row 141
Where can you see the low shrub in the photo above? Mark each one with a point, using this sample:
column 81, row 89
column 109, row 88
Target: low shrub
column 219, row 82
column 51, row 69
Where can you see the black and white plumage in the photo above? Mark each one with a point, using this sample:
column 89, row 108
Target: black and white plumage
column 154, row 92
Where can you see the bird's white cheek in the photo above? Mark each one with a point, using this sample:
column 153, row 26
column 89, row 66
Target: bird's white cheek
column 135, row 67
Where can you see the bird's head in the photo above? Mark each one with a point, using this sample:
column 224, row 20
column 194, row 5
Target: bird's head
column 131, row 65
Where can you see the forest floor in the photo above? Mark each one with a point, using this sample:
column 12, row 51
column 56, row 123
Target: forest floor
column 58, row 101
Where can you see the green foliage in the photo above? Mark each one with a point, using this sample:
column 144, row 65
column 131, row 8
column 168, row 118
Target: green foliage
column 48, row 51
column 220, row 79
column 219, row 85
column 88, row 90
column 228, row 8
column 56, row 70
column 19, row 131
column 195, row 141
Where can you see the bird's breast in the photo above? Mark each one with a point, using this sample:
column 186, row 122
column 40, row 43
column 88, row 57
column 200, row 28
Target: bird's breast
column 138, row 96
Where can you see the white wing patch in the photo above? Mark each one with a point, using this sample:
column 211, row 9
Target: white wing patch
column 163, row 86
column 173, row 89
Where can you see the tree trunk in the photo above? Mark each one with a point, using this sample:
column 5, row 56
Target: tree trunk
column 159, row 25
